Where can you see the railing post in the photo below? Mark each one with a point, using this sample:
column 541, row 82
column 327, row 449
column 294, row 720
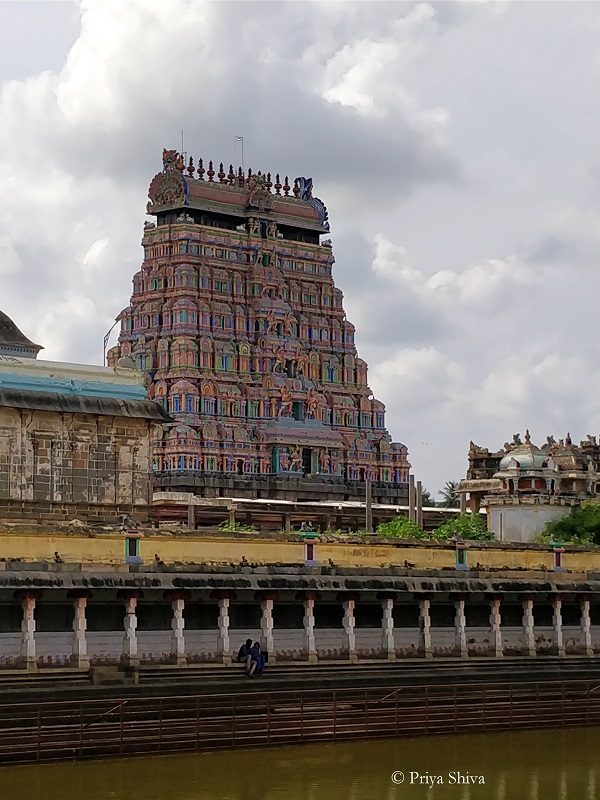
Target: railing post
column 397, row 730
column 197, row 723
column 587, row 703
column 80, row 730
column 455, row 712
column 160, row 704
column 39, row 731
column 233, row 719
column 121, row 729
column 334, row 714
column 268, row 719
column 483, row 708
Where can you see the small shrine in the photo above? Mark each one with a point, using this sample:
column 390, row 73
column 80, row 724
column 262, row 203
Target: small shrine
column 524, row 486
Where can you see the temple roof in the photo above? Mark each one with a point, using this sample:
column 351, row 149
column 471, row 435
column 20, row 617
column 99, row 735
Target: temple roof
column 13, row 341
column 179, row 187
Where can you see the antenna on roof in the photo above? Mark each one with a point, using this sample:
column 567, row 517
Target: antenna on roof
column 183, row 154
column 240, row 139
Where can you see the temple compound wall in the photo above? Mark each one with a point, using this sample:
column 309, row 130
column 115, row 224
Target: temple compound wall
column 136, row 596
column 237, row 321
column 131, row 626
column 75, row 441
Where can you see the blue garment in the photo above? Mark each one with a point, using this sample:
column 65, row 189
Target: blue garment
column 244, row 652
column 257, row 656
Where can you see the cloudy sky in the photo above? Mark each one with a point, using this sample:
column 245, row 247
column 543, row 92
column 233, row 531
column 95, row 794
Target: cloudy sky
column 456, row 145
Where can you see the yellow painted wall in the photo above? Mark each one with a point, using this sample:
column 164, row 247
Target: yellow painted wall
column 346, row 555
column 221, row 550
column 104, row 550
column 109, row 549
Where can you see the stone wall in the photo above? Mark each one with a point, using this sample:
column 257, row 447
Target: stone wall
column 80, row 546
column 58, row 465
column 521, row 523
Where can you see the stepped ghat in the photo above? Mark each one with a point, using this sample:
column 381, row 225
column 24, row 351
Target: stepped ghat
column 237, row 321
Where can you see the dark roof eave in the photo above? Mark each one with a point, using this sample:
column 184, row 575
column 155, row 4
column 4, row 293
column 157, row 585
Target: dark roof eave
column 82, row 404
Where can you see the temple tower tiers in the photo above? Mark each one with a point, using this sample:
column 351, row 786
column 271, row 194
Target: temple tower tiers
column 237, row 321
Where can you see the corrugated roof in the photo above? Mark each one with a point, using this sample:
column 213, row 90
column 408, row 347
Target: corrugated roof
column 82, row 404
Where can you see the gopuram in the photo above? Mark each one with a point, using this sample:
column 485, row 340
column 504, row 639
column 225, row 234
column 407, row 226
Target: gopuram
column 237, row 321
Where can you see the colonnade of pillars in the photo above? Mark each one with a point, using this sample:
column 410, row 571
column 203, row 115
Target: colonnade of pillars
column 130, row 655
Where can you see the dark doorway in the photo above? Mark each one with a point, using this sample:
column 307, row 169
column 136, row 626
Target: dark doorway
column 297, row 411
column 307, row 460
column 240, row 467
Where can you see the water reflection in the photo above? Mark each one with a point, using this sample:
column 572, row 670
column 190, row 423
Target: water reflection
column 538, row 765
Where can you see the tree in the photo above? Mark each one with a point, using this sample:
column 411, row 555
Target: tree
column 468, row 526
column 450, row 497
column 581, row 526
column 426, row 499
column 401, row 527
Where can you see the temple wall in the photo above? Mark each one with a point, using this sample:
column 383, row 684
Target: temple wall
column 522, row 523
column 26, row 545
column 73, row 459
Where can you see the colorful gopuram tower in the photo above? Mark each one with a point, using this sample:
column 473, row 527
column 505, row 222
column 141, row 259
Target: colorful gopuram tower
column 237, row 321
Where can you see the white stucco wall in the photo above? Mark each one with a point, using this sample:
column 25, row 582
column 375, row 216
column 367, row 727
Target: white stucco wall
column 522, row 523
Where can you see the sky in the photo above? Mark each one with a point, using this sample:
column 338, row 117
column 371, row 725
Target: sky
column 455, row 144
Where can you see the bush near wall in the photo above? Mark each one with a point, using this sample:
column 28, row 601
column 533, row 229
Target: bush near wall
column 581, row 526
column 466, row 526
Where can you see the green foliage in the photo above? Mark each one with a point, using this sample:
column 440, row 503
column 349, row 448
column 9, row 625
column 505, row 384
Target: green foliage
column 469, row 526
column 581, row 526
column 426, row 499
column 235, row 527
column 450, row 497
column 402, row 528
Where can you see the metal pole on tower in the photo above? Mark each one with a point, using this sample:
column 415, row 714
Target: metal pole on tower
column 368, row 506
column 106, row 340
column 241, row 140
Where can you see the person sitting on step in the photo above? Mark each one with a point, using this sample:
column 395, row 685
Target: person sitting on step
column 257, row 660
column 244, row 656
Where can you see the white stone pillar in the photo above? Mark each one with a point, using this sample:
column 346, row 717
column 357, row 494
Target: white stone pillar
column 79, row 655
column 495, row 628
column 460, row 628
column 178, row 632
column 28, row 656
column 310, row 645
column 557, row 626
column 528, row 627
column 130, row 644
column 387, row 629
column 586, row 627
column 424, row 646
column 266, row 628
column 223, row 644
column 348, row 635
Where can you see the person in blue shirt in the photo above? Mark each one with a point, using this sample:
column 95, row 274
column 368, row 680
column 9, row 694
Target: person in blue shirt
column 244, row 654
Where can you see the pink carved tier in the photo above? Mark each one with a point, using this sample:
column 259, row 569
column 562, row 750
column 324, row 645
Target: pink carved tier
column 236, row 319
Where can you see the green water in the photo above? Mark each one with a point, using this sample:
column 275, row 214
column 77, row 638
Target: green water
column 539, row 765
